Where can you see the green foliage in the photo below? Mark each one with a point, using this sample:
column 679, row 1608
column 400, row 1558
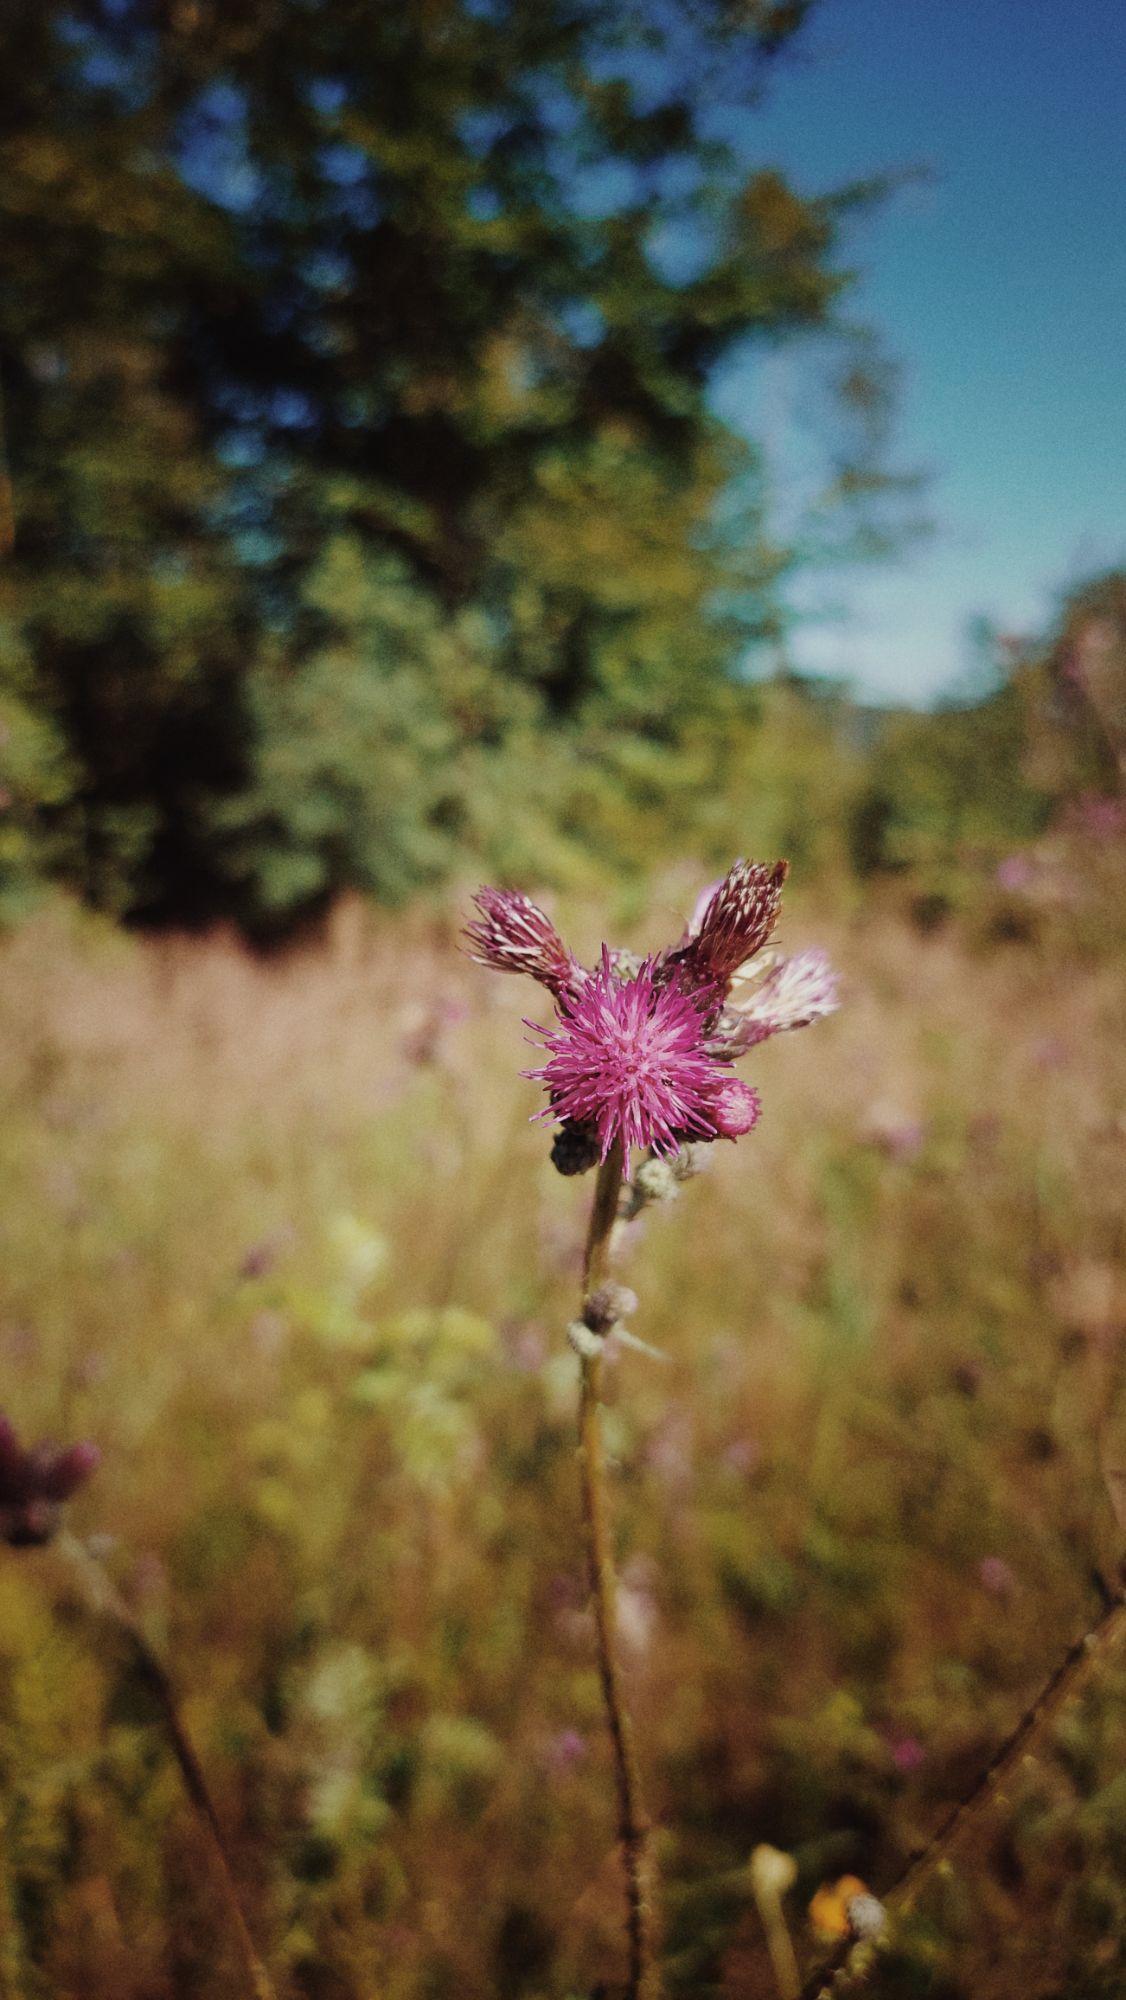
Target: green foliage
column 939, row 786
column 355, row 364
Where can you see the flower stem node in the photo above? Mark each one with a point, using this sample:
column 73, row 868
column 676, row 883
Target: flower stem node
column 587, row 1344
column 607, row 1306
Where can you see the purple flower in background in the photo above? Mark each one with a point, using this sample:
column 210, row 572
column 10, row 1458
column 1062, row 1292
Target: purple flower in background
column 566, row 1749
column 641, row 1049
column 995, row 1576
column 34, row 1482
column 1016, row 873
column 907, row 1753
column 893, row 1132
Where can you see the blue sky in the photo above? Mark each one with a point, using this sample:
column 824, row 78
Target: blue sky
column 999, row 284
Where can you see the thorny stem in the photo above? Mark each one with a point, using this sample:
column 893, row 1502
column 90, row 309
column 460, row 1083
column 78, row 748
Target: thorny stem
column 633, row 1822
column 849, row 1963
column 104, row 1599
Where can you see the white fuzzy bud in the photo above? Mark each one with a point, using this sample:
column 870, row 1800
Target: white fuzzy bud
column 656, row 1180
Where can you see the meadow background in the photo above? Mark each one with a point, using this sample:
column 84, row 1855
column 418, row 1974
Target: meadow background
column 369, row 531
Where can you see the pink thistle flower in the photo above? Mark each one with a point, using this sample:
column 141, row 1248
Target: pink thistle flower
column 628, row 1057
column 34, row 1482
column 513, row 934
column 732, row 926
column 793, row 994
column 642, row 1048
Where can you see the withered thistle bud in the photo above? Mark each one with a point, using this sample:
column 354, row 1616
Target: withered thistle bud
column 34, row 1482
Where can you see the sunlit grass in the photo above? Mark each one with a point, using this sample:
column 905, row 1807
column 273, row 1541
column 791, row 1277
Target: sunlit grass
column 279, row 1236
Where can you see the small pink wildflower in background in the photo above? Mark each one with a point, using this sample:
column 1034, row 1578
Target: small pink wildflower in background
column 1016, row 872
column 995, row 1576
column 641, row 1049
column 567, row 1749
column 892, row 1131
column 907, row 1753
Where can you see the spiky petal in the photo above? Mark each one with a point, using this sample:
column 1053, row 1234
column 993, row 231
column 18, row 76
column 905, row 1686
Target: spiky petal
column 512, row 934
column 733, row 925
column 627, row 1057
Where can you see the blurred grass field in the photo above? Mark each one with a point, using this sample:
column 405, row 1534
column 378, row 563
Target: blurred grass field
column 278, row 1235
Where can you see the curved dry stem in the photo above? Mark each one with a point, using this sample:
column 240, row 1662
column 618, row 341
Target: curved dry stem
column 849, row 1962
column 104, row 1599
column 633, row 1821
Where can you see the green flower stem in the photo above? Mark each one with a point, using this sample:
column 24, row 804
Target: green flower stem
column 104, row 1599
column 633, row 1823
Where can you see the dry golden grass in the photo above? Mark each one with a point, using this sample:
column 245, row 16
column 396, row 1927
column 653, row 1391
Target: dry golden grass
column 279, row 1236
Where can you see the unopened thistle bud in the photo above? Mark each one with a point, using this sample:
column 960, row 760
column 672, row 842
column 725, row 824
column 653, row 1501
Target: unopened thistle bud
column 512, row 934
column 576, row 1148
column 734, row 924
column 656, row 1180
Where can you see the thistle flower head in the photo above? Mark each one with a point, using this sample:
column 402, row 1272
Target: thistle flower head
column 641, row 1049
column 730, row 927
column 34, row 1482
column 628, row 1057
column 512, row 934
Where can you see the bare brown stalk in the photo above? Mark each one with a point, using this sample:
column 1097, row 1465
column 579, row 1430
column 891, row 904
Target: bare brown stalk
column 7, row 497
column 633, row 1822
column 105, row 1600
column 12, row 1983
column 850, row 1961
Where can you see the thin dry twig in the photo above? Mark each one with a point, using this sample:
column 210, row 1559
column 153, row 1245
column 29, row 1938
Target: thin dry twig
column 849, row 1962
column 105, row 1600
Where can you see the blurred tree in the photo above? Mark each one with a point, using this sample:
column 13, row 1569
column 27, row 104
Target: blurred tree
column 1074, row 685
column 439, row 287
